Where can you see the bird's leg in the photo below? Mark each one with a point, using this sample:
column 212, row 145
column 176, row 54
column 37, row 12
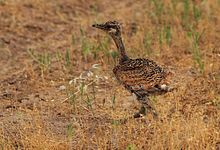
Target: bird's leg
column 146, row 105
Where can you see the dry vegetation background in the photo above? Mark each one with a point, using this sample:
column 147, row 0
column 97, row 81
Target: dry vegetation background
column 57, row 90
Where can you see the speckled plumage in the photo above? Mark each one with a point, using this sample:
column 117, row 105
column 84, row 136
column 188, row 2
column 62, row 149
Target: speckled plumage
column 140, row 76
column 139, row 73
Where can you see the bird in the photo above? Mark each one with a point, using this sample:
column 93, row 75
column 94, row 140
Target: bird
column 142, row 77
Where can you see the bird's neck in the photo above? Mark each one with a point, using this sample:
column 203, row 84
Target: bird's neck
column 121, row 48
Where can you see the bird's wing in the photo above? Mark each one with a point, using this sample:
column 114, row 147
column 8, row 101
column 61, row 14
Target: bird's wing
column 139, row 73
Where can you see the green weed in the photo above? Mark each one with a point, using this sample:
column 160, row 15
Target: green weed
column 113, row 101
column 67, row 58
column 147, row 41
column 115, row 122
column 71, row 97
column 43, row 60
column 104, row 44
column 114, row 55
column 86, row 46
column 58, row 56
column 94, row 9
column 89, row 102
column 186, row 12
column 167, row 34
column 131, row 147
column 2, row 146
column 82, row 89
column 191, row 14
column 174, row 4
column 158, row 8
column 93, row 91
column 216, row 102
column 64, row 59
column 196, row 52
column 164, row 35
column 196, row 13
column 74, row 40
column 70, row 131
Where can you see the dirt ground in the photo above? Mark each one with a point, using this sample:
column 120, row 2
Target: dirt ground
column 57, row 89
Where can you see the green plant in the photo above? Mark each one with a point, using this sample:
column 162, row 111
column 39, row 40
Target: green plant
column 160, row 37
column 74, row 40
column 196, row 13
column 159, row 8
column 216, row 102
column 88, row 102
column 2, row 146
column 114, row 55
column 113, row 101
column 131, row 147
column 70, row 131
column 67, row 58
column 104, row 46
column 174, row 4
column 186, row 11
column 94, row 9
column 115, row 122
column 58, row 56
column 85, row 44
column 93, row 91
column 164, row 35
column 196, row 52
column 82, row 89
column 147, row 41
column 43, row 60
column 71, row 97
column 167, row 32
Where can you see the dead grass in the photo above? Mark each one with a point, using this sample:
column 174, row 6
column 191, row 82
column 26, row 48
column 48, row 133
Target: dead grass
column 55, row 96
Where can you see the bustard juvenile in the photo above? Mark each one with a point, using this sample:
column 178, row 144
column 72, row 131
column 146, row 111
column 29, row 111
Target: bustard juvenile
column 142, row 77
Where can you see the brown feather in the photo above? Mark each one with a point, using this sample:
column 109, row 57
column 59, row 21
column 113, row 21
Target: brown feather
column 139, row 73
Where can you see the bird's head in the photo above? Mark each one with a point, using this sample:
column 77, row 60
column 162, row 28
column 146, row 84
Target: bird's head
column 111, row 27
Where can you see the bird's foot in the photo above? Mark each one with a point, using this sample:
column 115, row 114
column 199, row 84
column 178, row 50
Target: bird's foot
column 140, row 113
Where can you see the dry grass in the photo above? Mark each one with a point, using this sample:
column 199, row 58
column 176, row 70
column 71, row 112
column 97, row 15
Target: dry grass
column 54, row 96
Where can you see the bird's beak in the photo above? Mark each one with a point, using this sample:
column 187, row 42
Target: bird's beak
column 99, row 26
